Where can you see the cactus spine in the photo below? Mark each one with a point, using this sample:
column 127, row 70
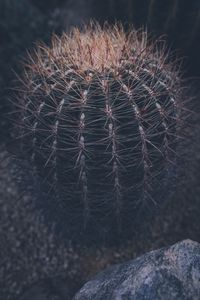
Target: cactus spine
column 99, row 115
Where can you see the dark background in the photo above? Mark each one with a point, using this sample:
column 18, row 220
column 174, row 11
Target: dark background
column 30, row 251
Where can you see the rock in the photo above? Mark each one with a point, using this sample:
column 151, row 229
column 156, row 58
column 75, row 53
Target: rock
column 171, row 273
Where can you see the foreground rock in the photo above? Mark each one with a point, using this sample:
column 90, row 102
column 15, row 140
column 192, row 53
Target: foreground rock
column 171, row 273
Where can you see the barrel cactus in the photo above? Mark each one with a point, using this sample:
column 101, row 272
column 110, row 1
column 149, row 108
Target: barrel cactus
column 99, row 114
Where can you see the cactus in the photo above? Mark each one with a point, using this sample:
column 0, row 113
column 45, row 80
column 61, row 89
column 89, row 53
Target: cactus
column 99, row 120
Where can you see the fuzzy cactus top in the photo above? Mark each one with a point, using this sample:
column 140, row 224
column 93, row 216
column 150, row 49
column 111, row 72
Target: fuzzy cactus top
column 99, row 114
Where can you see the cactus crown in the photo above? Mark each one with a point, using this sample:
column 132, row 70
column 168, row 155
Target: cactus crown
column 99, row 118
column 96, row 50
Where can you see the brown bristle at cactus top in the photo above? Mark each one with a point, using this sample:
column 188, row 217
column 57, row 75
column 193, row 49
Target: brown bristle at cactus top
column 99, row 122
column 95, row 48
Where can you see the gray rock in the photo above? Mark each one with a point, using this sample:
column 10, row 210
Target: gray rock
column 171, row 273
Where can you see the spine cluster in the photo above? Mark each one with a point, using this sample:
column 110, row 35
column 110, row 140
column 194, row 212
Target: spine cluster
column 99, row 115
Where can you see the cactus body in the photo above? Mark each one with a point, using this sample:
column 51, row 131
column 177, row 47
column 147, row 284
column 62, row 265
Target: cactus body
column 99, row 118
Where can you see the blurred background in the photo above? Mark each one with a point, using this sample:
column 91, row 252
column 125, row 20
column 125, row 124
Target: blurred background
column 29, row 251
